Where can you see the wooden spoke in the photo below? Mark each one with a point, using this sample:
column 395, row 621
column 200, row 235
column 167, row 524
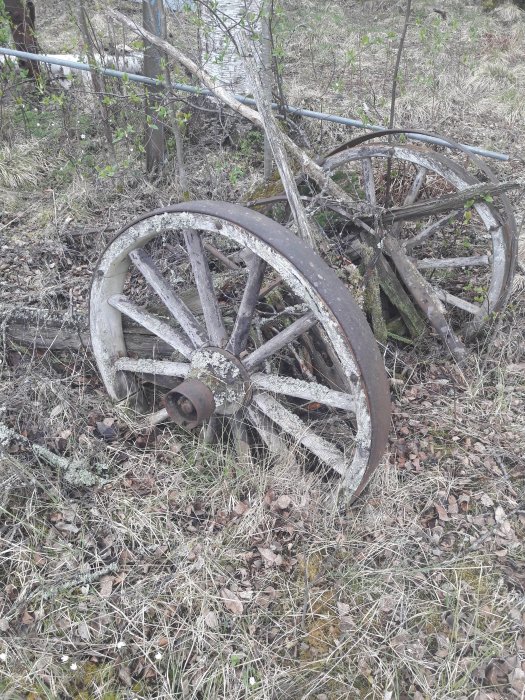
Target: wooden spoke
column 446, row 263
column 279, row 341
column 368, row 181
column 453, row 300
column 204, row 283
column 429, row 231
column 147, row 366
column 156, row 325
column 411, row 197
column 269, row 288
column 178, row 309
column 241, row 329
column 309, row 391
column 416, row 186
column 241, row 438
column 224, row 259
column 275, row 444
column 291, row 424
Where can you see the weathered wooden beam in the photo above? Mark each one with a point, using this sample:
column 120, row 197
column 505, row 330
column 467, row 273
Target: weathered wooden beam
column 46, row 330
column 447, row 202
column 305, row 227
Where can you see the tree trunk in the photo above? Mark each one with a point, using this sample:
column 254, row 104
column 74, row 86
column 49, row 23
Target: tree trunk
column 21, row 15
column 154, row 21
column 220, row 57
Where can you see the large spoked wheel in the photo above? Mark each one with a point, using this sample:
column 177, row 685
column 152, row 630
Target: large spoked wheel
column 466, row 254
column 257, row 339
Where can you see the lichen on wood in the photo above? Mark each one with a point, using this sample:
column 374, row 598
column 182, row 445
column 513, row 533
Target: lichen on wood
column 372, row 296
column 75, row 471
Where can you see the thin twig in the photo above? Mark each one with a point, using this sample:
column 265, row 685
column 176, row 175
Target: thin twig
column 395, row 80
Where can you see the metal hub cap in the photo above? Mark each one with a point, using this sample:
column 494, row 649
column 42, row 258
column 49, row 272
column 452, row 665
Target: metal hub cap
column 217, row 383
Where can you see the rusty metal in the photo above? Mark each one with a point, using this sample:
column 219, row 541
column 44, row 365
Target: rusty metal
column 190, row 404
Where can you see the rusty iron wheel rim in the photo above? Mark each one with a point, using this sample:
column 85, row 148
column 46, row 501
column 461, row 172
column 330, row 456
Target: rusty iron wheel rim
column 279, row 408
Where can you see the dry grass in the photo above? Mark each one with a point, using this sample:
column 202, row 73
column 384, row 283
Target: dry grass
column 413, row 590
column 20, row 166
column 190, row 575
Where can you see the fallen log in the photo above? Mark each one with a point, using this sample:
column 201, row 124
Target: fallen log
column 48, row 330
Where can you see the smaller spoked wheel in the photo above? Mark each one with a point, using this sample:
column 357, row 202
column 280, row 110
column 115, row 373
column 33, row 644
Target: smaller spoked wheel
column 251, row 337
column 466, row 253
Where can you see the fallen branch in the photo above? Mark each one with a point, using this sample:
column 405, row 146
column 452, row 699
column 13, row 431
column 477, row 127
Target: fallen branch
column 75, row 472
column 305, row 227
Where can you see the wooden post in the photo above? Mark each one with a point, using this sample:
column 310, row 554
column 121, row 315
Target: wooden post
column 154, row 21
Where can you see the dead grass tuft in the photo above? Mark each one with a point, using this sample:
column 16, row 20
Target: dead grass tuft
column 21, row 165
column 509, row 13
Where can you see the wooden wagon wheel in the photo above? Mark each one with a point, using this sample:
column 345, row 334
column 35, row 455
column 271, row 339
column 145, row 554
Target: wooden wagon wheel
column 466, row 252
column 431, row 226
column 240, row 300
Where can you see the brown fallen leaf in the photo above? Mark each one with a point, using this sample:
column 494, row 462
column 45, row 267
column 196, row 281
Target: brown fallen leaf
column 496, row 672
column 269, row 497
column 27, row 618
column 106, row 432
column 211, row 620
column 231, row 601
column 83, row 631
column 124, row 674
column 264, row 598
column 67, row 528
column 441, row 512
column 283, row 502
column 240, row 508
column 270, row 557
column 517, row 681
column 149, row 672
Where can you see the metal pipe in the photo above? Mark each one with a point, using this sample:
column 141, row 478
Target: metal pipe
column 322, row 116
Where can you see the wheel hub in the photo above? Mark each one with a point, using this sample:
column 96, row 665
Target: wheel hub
column 217, row 383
